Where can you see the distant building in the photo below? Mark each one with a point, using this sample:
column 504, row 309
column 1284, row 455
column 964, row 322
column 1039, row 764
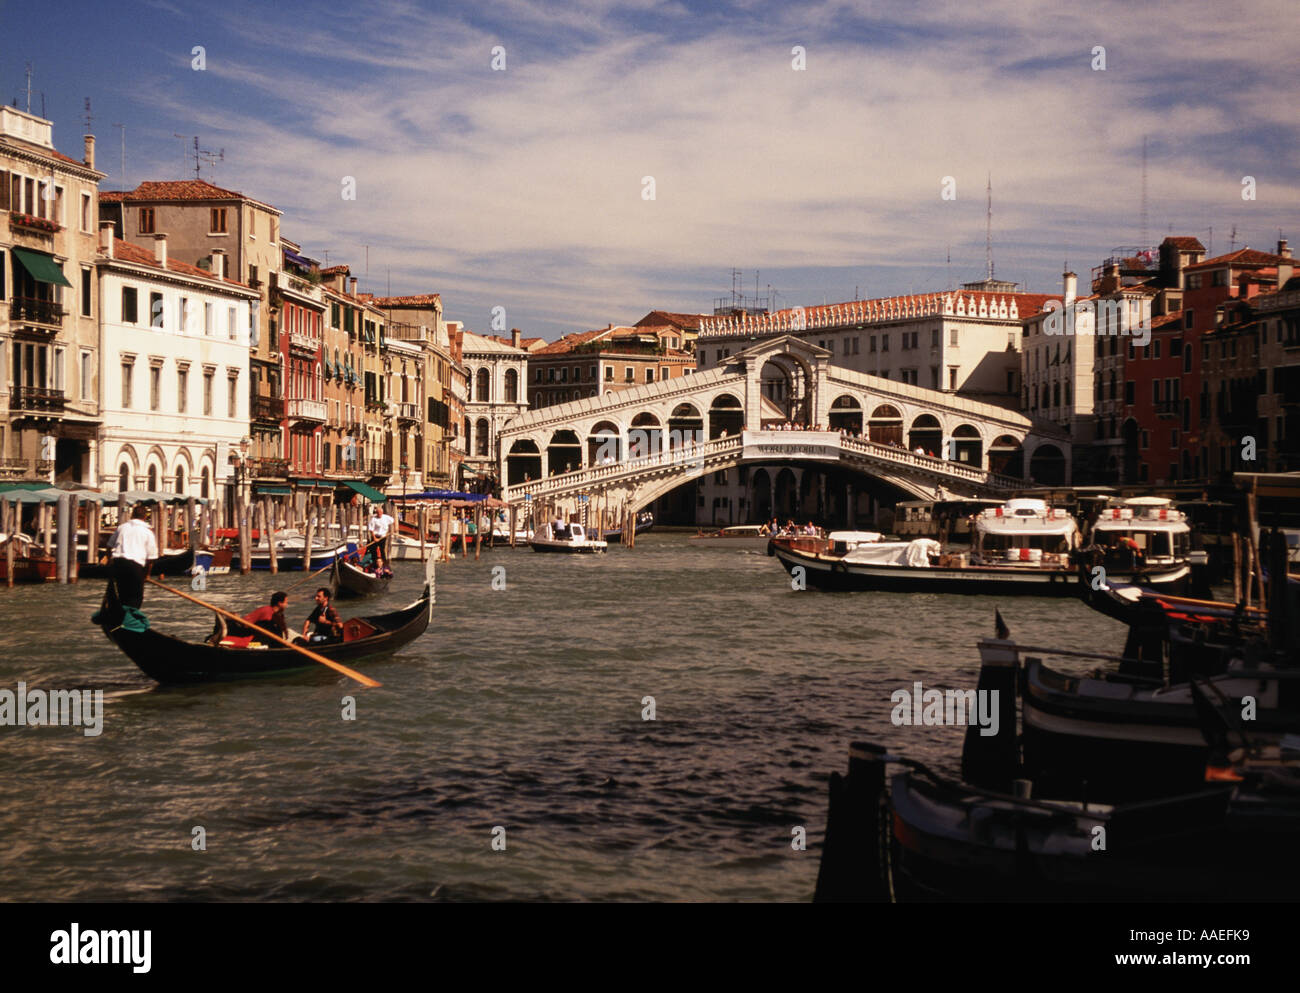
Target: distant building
column 496, row 375
column 173, row 373
column 49, row 310
column 605, row 361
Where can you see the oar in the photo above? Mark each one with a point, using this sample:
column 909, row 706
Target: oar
column 328, row 565
column 350, row 673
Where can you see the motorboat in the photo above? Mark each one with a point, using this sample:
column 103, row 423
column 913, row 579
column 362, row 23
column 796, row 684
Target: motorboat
column 571, row 539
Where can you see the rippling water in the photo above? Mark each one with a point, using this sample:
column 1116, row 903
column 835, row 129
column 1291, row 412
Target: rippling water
column 519, row 708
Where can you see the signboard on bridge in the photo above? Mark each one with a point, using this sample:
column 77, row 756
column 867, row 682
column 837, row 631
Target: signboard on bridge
column 767, row 445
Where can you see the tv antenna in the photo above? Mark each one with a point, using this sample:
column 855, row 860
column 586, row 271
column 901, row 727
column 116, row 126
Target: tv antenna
column 1232, row 239
column 988, row 230
column 89, row 117
column 29, row 87
column 202, row 156
column 1145, row 243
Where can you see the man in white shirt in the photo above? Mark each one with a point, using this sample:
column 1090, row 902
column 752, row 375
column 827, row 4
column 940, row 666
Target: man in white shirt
column 134, row 548
column 379, row 525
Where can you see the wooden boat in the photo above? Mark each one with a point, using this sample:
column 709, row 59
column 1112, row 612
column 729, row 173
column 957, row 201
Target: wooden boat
column 214, row 561
column 743, row 536
column 572, row 541
column 32, row 563
column 924, row 838
column 289, row 553
column 173, row 660
column 352, row 581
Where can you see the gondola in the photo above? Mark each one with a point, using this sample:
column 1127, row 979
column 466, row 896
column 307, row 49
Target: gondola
column 351, row 581
column 173, row 660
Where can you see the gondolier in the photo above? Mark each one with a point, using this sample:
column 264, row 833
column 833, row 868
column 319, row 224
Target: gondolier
column 379, row 525
column 134, row 549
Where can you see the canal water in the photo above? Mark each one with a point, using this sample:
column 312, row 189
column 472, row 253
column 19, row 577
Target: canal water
column 521, row 708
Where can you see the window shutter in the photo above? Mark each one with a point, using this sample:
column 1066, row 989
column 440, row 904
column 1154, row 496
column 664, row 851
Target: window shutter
column 4, row 190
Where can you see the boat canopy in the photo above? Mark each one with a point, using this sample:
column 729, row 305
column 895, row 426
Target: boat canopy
column 1027, row 525
column 859, row 537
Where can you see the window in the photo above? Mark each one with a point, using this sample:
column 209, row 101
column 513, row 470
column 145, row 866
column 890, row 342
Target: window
column 629, row 374
column 856, row 343
column 87, row 383
column 871, row 345
column 650, row 375
column 884, row 342
column 207, row 318
column 130, row 314
column 1220, row 277
column 577, row 373
column 217, row 225
column 182, row 388
column 207, row 392
column 86, row 278
column 232, row 396
column 128, row 367
column 155, row 386
column 86, row 218
column 952, row 377
column 1155, row 391
column 185, row 314
column 952, row 336
column 609, row 373
column 232, row 322
column 4, row 269
column 146, row 220
column 1130, row 391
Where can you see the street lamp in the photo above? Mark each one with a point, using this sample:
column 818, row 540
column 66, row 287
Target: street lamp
column 403, row 470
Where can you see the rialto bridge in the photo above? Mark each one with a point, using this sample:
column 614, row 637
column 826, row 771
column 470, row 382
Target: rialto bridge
column 780, row 401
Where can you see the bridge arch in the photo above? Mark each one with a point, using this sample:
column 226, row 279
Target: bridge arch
column 645, row 436
column 523, row 462
column 1047, row 465
column 605, row 443
column 926, row 434
column 726, row 416
column 563, row 452
column 967, row 445
column 886, row 425
column 1007, row 456
column 846, row 414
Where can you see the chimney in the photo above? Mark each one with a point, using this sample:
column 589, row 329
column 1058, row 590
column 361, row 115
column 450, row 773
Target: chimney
column 160, row 249
column 90, row 151
column 1283, row 249
column 218, row 263
column 353, row 283
column 515, row 337
column 1071, row 287
column 106, row 229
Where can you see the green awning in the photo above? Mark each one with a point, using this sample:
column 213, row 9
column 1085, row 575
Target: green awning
column 369, row 492
column 42, row 267
column 272, row 490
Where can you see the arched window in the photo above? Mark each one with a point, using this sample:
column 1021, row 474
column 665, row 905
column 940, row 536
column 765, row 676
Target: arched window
column 124, row 478
column 512, row 386
column 180, row 479
column 481, row 437
column 203, row 486
column 483, row 386
column 153, row 478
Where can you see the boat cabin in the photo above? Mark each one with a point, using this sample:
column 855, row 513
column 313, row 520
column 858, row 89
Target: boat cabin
column 1024, row 530
column 1161, row 533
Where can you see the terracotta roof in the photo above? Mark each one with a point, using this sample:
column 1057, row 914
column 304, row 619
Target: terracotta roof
column 421, row 300
column 29, row 146
column 689, row 322
column 180, row 189
column 1241, row 257
column 335, row 270
column 124, row 251
column 570, row 341
column 1184, row 243
column 1174, row 318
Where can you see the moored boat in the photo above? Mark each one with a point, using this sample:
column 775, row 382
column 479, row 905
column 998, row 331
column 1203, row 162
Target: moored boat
column 744, row 536
column 1141, row 540
column 32, row 564
column 350, row 580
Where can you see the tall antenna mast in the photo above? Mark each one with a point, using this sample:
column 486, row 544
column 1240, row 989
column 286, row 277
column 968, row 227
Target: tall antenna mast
column 988, row 232
column 29, row 87
column 1232, row 239
column 89, row 118
column 202, row 155
column 1145, row 242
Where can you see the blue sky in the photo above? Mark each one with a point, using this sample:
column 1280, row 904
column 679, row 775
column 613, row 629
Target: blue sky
column 522, row 188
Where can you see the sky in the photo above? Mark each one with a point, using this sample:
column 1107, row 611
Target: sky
column 525, row 186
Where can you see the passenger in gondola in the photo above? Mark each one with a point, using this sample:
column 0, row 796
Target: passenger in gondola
column 271, row 617
column 329, row 627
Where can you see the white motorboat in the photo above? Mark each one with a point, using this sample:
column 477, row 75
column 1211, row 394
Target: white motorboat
column 571, row 539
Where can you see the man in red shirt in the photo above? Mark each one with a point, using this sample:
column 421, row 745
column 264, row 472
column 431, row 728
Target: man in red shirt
column 271, row 617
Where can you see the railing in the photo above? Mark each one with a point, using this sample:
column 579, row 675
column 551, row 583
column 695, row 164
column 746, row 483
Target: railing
column 269, row 468
column 727, row 447
column 35, row 398
column 380, row 467
column 44, row 466
column 14, row 467
column 37, row 311
column 408, row 411
column 268, row 408
column 1168, row 407
column 306, row 410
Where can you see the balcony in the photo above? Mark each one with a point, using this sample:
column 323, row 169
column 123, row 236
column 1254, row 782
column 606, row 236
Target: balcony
column 1168, row 408
column 303, row 342
column 28, row 224
column 268, row 409
column 32, row 310
column 408, row 412
column 381, row 467
column 269, row 468
column 44, row 467
column 36, row 398
column 307, row 410
column 14, row 468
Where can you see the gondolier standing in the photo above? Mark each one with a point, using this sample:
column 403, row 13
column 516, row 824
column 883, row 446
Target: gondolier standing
column 379, row 525
column 134, row 548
